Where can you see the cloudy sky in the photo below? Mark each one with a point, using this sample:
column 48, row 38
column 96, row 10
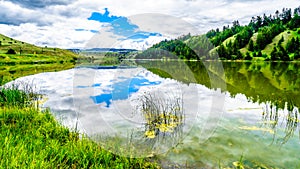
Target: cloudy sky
column 123, row 23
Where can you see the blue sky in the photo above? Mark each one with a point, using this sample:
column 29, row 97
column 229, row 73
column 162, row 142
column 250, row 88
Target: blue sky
column 121, row 25
column 73, row 23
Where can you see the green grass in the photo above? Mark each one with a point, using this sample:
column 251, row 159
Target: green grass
column 13, row 97
column 31, row 138
column 28, row 54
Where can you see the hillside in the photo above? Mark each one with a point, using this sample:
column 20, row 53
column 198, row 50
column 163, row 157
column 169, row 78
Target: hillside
column 273, row 37
column 16, row 52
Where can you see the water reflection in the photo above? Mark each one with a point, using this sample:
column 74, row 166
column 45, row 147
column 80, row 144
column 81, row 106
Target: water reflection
column 274, row 123
column 11, row 72
column 278, row 82
column 274, row 83
column 123, row 90
column 284, row 123
column 260, row 112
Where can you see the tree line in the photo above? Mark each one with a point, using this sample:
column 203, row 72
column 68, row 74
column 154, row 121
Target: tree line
column 267, row 27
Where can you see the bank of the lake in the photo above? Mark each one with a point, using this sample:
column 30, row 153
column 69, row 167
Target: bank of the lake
column 31, row 138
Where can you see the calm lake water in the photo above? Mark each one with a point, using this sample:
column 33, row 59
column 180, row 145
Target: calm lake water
column 215, row 114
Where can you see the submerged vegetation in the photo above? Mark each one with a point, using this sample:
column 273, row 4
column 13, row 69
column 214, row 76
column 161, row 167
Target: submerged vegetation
column 162, row 115
column 31, row 138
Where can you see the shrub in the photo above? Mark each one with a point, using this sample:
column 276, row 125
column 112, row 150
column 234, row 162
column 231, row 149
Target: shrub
column 11, row 51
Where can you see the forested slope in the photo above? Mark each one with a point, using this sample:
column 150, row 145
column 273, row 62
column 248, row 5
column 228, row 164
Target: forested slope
column 267, row 37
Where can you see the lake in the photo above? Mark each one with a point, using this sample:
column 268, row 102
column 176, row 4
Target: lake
column 185, row 114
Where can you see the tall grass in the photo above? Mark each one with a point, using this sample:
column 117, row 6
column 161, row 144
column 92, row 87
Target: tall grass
column 163, row 114
column 31, row 138
column 18, row 95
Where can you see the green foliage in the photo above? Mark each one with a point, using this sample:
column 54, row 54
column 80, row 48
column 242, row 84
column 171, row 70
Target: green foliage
column 31, row 54
column 11, row 51
column 293, row 45
column 251, row 45
column 279, row 53
column 222, row 51
column 243, row 37
column 259, row 54
column 13, row 96
column 231, row 42
column 218, row 37
column 266, row 35
column 193, row 48
column 33, row 139
column 202, row 46
column 267, row 27
column 281, row 40
column 248, row 57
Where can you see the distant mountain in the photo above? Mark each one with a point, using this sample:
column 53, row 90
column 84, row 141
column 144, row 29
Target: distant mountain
column 267, row 37
column 105, row 50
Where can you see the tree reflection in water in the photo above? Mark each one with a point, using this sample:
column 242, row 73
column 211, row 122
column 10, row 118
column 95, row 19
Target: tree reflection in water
column 284, row 122
column 276, row 84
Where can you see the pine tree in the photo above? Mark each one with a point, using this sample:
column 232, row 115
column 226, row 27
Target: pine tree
column 280, row 41
column 254, row 54
column 274, row 54
column 259, row 54
column 251, row 45
column 248, row 57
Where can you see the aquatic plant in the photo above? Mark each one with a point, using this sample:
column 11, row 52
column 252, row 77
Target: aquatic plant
column 161, row 129
column 162, row 114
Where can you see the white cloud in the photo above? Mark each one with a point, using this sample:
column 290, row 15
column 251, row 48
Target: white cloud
column 55, row 25
column 139, row 44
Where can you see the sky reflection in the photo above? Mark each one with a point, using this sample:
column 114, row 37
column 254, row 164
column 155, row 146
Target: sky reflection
column 122, row 90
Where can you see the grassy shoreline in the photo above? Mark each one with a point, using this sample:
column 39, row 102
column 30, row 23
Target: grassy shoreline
column 31, row 138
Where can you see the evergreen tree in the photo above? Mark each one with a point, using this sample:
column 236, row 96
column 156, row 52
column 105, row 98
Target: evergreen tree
column 283, row 55
column 251, row 45
column 222, row 51
column 280, row 41
column 259, row 54
column 248, row 57
column 274, row 54
column 239, row 55
column 297, row 55
column 254, row 54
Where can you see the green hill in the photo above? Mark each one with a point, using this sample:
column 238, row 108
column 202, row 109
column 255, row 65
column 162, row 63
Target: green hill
column 19, row 59
column 273, row 37
column 16, row 52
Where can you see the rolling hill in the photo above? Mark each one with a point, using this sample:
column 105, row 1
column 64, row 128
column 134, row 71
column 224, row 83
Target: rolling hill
column 273, row 37
column 17, row 52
